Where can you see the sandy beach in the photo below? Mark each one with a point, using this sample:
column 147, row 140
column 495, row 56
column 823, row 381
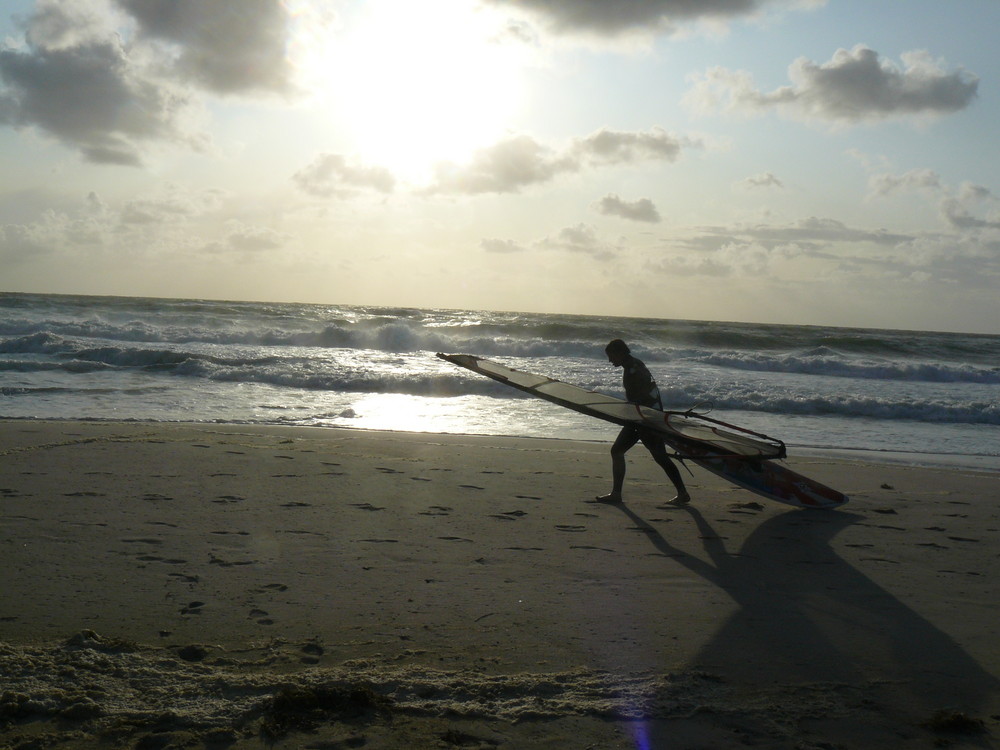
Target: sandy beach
column 176, row 585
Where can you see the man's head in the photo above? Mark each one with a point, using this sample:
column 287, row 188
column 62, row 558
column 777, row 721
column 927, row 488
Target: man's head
column 617, row 352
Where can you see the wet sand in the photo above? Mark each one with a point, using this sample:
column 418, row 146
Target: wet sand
column 246, row 586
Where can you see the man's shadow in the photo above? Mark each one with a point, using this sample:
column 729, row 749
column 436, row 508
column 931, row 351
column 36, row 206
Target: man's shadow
column 806, row 616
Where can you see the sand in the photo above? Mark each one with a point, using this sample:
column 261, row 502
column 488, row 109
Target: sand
column 174, row 585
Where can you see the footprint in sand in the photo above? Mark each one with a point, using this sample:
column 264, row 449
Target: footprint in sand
column 84, row 494
column 223, row 499
column 367, row 506
column 454, row 539
column 572, row 529
column 295, row 505
column 471, row 487
column 387, row 470
column 311, row 653
column 587, row 546
column 260, row 616
column 437, row 510
column 527, row 497
column 526, row 549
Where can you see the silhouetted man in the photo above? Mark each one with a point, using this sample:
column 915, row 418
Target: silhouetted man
column 640, row 388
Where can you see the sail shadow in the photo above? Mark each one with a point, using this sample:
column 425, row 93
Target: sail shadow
column 806, row 616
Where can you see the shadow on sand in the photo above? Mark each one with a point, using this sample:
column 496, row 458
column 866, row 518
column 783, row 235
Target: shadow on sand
column 808, row 620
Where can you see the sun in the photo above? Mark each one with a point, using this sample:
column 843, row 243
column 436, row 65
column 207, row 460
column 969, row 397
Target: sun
column 413, row 83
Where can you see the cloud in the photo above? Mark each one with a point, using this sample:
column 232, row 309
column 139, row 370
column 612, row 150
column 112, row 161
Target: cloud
column 640, row 210
column 956, row 207
column 78, row 83
column 957, row 210
column 855, row 86
column 580, row 239
column 170, row 207
column 501, row 246
column 761, row 182
column 223, row 46
column 519, row 161
column 884, row 184
column 812, row 232
column 610, row 19
column 333, row 175
column 254, row 239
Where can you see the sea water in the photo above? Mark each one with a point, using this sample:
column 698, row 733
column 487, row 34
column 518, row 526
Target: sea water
column 918, row 397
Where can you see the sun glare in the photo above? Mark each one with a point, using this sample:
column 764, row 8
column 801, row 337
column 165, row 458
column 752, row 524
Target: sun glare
column 417, row 83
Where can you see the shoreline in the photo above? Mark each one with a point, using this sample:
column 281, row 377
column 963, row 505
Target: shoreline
column 986, row 463
column 469, row 583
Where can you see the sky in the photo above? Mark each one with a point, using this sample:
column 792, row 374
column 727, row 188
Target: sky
column 820, row 162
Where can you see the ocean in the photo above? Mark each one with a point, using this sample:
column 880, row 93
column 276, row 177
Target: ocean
column 902, row 396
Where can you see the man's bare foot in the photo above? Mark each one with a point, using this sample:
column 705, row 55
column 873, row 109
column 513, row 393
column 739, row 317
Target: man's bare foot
column 683, row 498
column 613, row 498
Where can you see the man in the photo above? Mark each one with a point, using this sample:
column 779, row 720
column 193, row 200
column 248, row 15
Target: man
column 640, row 388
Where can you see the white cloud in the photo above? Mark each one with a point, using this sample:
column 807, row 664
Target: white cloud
column 501, row 246
column 761, row 182
column 254, row 239
column 885, row 183
column 956, row 207
column 855, row 86
column 581, row 239
column 639, row 210
column 519, row 161
column 335, row 175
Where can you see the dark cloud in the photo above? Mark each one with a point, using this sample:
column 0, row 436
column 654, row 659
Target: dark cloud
column 76, row 79
column 333, row 175
column 224, row 46
column 640, row 210
column 88, row 97
column 519, row 161
column 607, row 18
column 855, row 86
column 82, row 88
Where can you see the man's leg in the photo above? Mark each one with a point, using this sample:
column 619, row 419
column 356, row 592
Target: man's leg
column 655, row 446
column 628, row 437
